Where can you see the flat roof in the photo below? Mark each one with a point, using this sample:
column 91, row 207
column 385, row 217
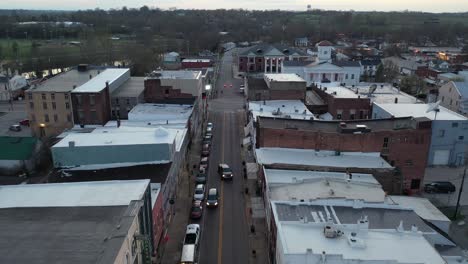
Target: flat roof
column 294, row 109
column 291, row 185
column 323, row 158
column 116, row 137
column 157, row 112
column 66, row 81
column 340, row 92
column 100, row 193
column 283, row 77
column 72, row 235
column 131, row 88
column 384, row 93
column 182, row 74
column 377, row 246
column 98, row 83
column 334, row 126
column 422, row 206
column 420, row 110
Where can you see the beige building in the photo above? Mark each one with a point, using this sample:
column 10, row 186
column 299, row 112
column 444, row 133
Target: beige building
column 454, row 96
column 49, row 104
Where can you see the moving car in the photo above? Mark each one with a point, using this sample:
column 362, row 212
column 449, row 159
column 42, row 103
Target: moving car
column 242, row 89
column 196, row 211
column 439, row 187
column 188, row 254
column 225, row 172
column 24, row 122
column 192, row 234
column 212, row 199
column 15, row 128
column 200, row 178
column 199, row 193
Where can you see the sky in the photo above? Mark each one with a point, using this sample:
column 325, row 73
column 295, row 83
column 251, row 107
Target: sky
column 299, row 5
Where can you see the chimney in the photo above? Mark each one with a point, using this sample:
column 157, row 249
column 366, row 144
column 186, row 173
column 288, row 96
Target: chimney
column 71, row 144
column 400, row 227
column 414, row 229
column 396, row 100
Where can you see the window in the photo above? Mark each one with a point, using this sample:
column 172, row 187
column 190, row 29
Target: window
column 55, row 118
column 241, row 60
column 92, row 100
column 93, row 116
column 67, row 105
column 451, row 101
column 52, row 96
column 33, row 118
column 78, row 99
column 44, row 105
column 117, row 101
column 43, row 96
column 443, row 98
column 69, row 119
column 415, row 183
column 80, row 115
column 409, row 162
column 31, row 105
column 166, row 92
column 346, row 77
column 46, row 118
column 66, row 96
column 461, row 137
column 30, row 96
column 336, row 77
column 134, row 247
column 128, row 101
column 441, row 133
column 338, row 116
column 352, row 76
column 54, row 105
column 454, row 124
column 325, row 52
column 385, row 142
column 251, row 60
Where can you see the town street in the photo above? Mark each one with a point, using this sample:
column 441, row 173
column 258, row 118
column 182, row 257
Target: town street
column 224, row 236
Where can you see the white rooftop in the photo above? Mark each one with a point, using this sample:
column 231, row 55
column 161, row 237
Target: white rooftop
column 160, row 112
column 183, row 74
column 377, row 245
column 420, row 110
column 340, row 92
column 294, row 109
column 196, row 60
column 421, row 206
column 283, row 77
column 274, row 176
column 98, row 82
column 384, row 95
column 308, row 157
column 121, row 136
column 100, row 193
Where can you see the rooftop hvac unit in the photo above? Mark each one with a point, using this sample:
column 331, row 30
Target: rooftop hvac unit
column 329, row 231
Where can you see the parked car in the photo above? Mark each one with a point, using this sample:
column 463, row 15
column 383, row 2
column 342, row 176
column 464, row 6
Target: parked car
column 225, row 172
column 206, row 140
column 196, row 211
column 199, row 194
column 15, row 128
column 209, row 125
column 205, row 150
column 204, row 162
column 192, row 234
column 439, row 187
column 200, row 178
column 209, row 135
column 24, row 122
column 212, row 199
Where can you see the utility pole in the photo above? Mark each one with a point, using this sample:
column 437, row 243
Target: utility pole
column 459, row 194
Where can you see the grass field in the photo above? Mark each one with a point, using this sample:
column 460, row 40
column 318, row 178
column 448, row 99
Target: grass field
column 24, row 48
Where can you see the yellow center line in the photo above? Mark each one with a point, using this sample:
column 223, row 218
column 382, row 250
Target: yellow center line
column 221, row 201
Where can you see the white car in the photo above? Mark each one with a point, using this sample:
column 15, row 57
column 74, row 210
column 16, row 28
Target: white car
column 192, row 234
column 199, row 194
column 209, row 125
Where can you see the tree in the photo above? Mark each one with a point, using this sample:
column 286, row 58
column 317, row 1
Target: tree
column 14, row 49
column 412, row 84
column 379, row 73
column 389, row 71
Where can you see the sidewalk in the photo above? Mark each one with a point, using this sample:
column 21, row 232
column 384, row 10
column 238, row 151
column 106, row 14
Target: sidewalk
column 172, row 249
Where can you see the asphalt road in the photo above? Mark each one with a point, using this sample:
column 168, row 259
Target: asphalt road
column 224, row 236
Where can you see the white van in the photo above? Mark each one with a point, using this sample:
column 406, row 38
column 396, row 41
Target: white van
column 188, row 255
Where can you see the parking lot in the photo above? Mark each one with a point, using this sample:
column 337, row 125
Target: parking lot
column 12, row 115
column 453, row 175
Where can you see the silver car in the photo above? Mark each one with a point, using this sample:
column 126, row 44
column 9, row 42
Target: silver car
column 199, row 194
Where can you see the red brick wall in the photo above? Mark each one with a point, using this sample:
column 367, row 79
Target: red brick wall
column 196, row 65
column 346, row 105
column 101, row 108
column 154, row 92
column 287, row 95
column 158, row 222
column 426, row 72
column 404, row 145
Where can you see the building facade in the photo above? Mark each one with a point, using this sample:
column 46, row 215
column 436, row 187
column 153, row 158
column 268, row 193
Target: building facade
column 403, row 143
column 126, row 97
column 454, row 96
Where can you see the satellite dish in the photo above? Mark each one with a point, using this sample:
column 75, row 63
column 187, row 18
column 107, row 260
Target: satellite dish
column 433, row 107
column 372, row 88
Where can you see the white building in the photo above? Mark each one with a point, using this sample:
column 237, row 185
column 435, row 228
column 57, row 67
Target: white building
column 323, row 70
column 454, row 94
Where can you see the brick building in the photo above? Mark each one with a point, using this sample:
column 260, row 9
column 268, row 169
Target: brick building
column 268, row 58
column 276, row 87
column 91, row 101
column 403, row 142
column 182, row 87
column 343, row 103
